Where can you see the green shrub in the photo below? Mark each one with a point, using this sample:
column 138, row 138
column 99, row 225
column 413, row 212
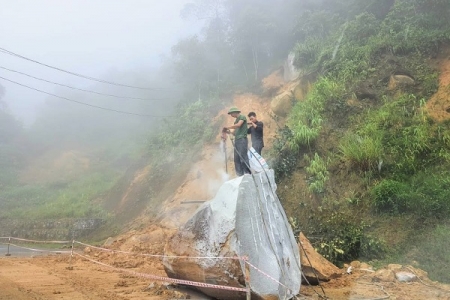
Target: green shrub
column 429, row 194
column 363, row 152
column 390, row 196
column 318, row 173
column 284, row 158
column 305, row 119
column 433, row 253
column 343, row 238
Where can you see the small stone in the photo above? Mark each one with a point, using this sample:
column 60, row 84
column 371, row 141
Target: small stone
column 405, row 276
column 355, row 264
column 383, row 275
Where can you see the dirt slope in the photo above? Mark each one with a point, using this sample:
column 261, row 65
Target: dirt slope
column 438, row 107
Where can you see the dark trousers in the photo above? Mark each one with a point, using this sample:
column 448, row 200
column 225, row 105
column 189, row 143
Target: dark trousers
column 241, row 157
column 258, row 148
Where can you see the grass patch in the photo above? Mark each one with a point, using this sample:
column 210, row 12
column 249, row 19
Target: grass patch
column 305, row 119
column 318, row 173
column 76, row 199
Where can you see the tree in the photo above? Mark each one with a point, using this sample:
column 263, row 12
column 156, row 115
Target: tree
column 9, row 126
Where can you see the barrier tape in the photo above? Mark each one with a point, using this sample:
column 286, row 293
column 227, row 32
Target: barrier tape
column 167, row 279
column 268, row 276
column 160, row 255
column 155, row 277
column 38, row 250
column 35, row 241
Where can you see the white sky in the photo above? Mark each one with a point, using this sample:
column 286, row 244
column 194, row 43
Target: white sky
column 91, row 37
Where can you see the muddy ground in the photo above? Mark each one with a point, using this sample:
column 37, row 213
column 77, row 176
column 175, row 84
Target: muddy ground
column 55, row 277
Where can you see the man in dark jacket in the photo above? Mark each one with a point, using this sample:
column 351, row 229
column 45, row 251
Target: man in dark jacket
column 256, row 130
column 241, row 162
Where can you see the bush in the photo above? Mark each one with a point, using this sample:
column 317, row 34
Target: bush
column 390, row 196
column 305, row 119
column 363, row 152
column 318, row 173
column 344, row 238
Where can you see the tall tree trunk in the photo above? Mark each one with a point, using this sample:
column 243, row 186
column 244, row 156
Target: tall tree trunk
column 255, row 62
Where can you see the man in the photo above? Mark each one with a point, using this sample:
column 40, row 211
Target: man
column 256, row 131
column 241, row 162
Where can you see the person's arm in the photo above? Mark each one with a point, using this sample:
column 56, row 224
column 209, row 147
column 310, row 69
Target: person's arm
column 237, row 125
column 258, row 126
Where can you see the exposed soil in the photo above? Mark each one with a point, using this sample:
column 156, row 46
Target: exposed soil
column 438, row 107
column 51, row 278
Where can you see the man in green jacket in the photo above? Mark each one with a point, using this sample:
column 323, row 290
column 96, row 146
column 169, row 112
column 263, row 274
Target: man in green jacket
column 241, row 162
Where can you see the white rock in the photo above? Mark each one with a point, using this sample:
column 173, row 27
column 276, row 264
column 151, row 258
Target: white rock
column 405, row 276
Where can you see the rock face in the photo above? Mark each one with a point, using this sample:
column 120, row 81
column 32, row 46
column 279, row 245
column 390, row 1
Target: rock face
column 244, row 219
column 282, row 104
column 315, row 267
column 397, row 81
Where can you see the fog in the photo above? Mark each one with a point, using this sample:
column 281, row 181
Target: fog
column 120, row 40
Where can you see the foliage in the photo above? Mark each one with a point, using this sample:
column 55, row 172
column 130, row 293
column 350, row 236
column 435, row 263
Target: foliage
column 364, row 153
column 285, row 159
column 305, row 119
column 188, row 130
column 344, row 238
column 67, row 199
column 390, row 196
column 432, row 253
column 390, row 137
column 318, row 173
column 424, row 195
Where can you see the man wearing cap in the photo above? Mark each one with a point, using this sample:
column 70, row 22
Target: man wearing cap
column 241, row 162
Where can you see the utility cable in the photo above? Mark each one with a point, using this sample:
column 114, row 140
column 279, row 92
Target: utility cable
column 76, row 74
column 83, row 103
column 83, row 90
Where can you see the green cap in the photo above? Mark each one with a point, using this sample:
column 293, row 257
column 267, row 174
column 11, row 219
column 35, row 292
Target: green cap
column 233, row 110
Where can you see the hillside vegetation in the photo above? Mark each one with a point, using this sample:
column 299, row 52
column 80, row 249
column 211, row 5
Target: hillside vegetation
column 362, row 164
column 374, row 160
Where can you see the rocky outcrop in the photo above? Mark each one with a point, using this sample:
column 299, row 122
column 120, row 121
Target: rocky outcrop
column 282, row 104
column 244, row 219
column 272, row 83
column 314, row 266
column 398, row 81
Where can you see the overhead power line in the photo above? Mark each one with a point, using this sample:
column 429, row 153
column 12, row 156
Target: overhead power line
column 83, row 103
column 83, row 90
column 76, row 74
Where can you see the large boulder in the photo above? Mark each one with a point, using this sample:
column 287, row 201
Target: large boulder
column 398, row 81
column 272, row 83
column 282, row 104
column 314, row 266
column 244, row 219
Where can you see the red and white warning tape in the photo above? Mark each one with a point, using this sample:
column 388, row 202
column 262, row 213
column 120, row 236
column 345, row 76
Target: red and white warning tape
column 167, row 279
column 35, row 241
column 267, row 275
column 38, row 250
column 150, row 276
